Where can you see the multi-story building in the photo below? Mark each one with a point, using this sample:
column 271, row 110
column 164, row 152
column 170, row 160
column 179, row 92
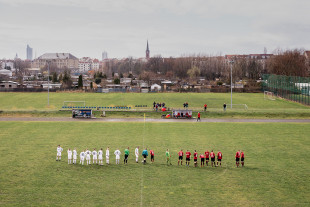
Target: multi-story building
column 86, row 64
column 61, row 60
column 104, row 56
column 29, row 53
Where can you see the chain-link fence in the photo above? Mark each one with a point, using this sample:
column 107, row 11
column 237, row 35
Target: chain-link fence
column 288, row 87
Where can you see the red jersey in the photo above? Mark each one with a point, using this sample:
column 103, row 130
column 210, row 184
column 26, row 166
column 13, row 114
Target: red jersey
column 152, row 152
column 198, row 115
column 205, row 105
column 188, row 154
column 219, row 155
column 242, row 155
column 201, row 156
column 181, row 153
column 207, row 154
column 212, row 154
column 195, row 155
column 238, row 154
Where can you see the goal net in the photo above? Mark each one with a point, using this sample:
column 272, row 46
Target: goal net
column 269, row 95
column 74, row 104
column 238, row 106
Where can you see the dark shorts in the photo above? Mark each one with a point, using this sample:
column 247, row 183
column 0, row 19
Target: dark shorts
column 237, row 159
column 188, row 159
column 180, row 157
column 126, row 156
column 213, row 159
column 242, row 159
column 202, row 159
column 195, row 160
column 144, row 156
column 152, row 157
column 219, row 159
column 207, row 159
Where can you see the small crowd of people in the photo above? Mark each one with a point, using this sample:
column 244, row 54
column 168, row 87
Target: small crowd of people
column 185, row 105
column 97, row 156
column 158, row 105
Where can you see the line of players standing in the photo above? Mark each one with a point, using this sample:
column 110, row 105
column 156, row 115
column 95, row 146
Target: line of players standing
column 98, row 156
column 204, row 158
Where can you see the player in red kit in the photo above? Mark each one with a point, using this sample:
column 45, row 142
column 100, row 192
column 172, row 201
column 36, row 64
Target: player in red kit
column 188, row 157
column 237, row 158
column 202, row 160
column 219, row 158
column 207, row 153
column 242, row 158
column 198, row 116
column 205, row 106
column 212, row 155
column 195, row 158
column 152, row 155
column 180, row 157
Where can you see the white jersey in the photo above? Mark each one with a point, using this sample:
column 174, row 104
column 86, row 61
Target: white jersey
column 107, row 153
column 69, row 154
column 59, row 150
column 137, row 152
column 100, row 153
column 94, row 153
column 117, row 154
column 74, row 154
column 88, row 153
column 82, row 155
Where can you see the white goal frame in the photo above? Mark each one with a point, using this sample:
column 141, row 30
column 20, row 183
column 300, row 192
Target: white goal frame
column 269, row 95
column 244, row 105
column 73, row 102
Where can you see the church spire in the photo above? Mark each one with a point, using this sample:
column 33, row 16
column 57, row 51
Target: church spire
column 147, row 52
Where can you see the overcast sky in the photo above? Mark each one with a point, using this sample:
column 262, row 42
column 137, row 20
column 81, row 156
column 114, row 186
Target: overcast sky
column 173, row 27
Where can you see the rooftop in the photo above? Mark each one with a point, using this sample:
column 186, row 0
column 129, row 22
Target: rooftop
column 52, row 56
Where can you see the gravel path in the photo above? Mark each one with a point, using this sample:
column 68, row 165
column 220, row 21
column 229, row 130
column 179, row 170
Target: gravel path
column 59, row 119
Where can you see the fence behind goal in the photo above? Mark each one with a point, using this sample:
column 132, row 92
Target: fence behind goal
column 289, row 87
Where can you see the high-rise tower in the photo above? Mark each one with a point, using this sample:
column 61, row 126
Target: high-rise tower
column 29, row 53
column 147, row 52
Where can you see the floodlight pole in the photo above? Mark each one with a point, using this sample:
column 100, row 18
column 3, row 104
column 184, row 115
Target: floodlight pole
column 231, row 64
column 48, row 83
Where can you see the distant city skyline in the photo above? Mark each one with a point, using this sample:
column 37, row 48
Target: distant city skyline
column 172, row 28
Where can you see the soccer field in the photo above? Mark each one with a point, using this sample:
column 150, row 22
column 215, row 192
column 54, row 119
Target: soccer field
column 276, row 171
column 35, row 104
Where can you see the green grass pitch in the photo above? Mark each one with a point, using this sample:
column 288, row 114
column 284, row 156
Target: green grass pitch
column 276, row 171
column 38, row 101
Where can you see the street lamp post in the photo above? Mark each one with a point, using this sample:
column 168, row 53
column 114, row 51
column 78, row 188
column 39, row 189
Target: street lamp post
column 231, row 64
column 48, row 83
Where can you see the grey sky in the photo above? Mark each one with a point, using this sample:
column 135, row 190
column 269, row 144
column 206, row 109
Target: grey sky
column 173, row 27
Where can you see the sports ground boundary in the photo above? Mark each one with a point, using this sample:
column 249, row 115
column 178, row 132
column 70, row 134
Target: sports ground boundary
column 69, row 119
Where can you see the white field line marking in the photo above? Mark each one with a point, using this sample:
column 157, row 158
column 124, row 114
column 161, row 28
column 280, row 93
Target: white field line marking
column 141, row 186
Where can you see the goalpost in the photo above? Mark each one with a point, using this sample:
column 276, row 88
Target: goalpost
column 239, row 106
column 269, row 95
column 74, row 103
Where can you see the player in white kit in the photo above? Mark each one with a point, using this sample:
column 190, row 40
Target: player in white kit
column 100, row 153
column 82, row 157
column 88, row 153
column 74, row 156
column 137, row 154
column 117, row 154
column 69, row 156
column 59, row 150
column 94, row 156
column 107, row 155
